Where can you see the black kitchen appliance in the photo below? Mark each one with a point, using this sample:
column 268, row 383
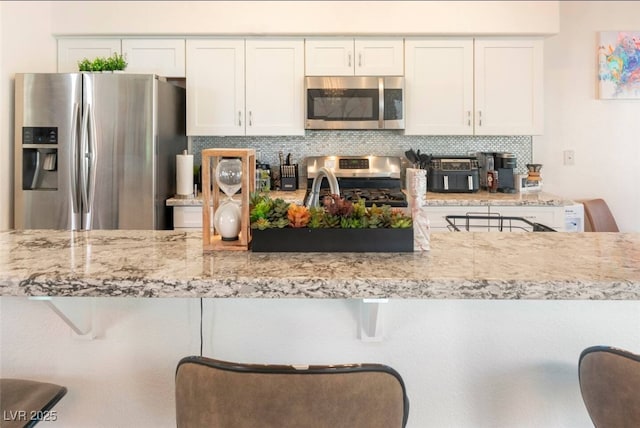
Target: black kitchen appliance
column 503, row 163
column 376, row 179
column 453, row 174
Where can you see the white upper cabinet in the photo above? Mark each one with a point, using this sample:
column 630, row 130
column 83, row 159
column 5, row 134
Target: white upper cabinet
column 466, row 87
column 359, row 57
column 233, row 90
column 71, row 51
column 439, row 87
column 215, row 87
column 274, row 87
column 164, row 57
column 508, row 86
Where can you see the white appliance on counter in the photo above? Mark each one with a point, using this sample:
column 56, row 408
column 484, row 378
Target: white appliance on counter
column 96, row 151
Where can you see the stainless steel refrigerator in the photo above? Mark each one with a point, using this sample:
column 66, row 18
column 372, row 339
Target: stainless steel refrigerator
column 96, row 150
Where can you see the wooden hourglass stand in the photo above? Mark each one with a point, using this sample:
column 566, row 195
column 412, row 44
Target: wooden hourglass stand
column 211, row 197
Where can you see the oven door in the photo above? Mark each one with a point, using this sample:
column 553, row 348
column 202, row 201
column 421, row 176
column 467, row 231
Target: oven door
column 344, row 102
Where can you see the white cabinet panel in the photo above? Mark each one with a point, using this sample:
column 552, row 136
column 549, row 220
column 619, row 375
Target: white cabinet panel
column 188, row 217
column 463, row 86
column 238, row 89
column 215, row 87
column 439, row 86
column 164, row 57
column 548, row 216
column 71, row 51
column 379, row 57
column 508, row 86
column 275, row 87
column 327, row 56
column 438, row 222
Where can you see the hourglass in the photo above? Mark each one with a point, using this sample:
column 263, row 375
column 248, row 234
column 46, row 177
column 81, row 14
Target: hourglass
column 226, row 219
column 227, row 170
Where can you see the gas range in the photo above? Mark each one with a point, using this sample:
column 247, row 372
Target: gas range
column 376, row 179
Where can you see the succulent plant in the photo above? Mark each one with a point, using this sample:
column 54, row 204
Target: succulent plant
column 298, row 215
column 335, row 212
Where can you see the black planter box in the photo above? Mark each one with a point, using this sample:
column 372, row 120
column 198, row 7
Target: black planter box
column 305, row 240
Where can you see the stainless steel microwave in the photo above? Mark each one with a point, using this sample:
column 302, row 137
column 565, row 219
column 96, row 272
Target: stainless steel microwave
column 354, row 102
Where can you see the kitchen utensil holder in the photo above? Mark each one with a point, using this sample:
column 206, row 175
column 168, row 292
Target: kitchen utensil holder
column 211, row 239
column 289, row 177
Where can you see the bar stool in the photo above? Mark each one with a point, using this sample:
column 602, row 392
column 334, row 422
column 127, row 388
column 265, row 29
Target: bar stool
column 26, row 402
column 212, row 393
column 598, row 217
column 610, row 386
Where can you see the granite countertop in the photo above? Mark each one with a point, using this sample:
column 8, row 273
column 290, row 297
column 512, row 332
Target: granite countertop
column 461, row 265
column 432, row 199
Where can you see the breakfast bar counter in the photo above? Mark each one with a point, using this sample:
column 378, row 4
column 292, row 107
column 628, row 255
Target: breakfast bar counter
column 121, row 263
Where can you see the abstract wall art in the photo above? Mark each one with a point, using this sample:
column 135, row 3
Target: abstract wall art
column 619, row 64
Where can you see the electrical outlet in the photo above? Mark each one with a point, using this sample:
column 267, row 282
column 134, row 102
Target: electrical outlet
column 569, row 157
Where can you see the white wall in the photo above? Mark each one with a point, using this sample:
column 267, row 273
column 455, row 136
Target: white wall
column 466, row 364
column 603, row 133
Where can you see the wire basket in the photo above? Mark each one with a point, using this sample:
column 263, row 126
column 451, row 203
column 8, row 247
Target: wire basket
column 497, row 222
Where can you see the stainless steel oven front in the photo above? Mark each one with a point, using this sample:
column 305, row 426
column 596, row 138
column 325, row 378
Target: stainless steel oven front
column 354, row 102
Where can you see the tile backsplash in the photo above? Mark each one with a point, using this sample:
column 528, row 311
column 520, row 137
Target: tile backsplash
column 356, row 143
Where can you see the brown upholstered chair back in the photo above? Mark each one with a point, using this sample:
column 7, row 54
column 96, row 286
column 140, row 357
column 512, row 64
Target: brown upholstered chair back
column 598, row 217
column 610, row 386
column 212, row 393
column 24, row 402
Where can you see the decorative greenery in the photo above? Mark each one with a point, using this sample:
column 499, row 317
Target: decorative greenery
column 335, row 212
column 112, row 63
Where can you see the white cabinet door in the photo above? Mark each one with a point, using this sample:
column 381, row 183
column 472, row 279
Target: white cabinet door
column 439, row 86
column 508, row 86
column 326, row 56
column 215, row 87
column 164, row 57
column 274, row 87
column 188, row 217
column 329, row 57
column 549, row 216
column 379, row 57
column 71, row 51
column 438, row 223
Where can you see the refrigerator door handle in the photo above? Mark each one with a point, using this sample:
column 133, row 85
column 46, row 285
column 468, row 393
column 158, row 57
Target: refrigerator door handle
column 36, row 174
column 92, row 159
column 73, row 168
column 84, row 167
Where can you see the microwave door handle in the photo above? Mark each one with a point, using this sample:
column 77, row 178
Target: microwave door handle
column 380, row 102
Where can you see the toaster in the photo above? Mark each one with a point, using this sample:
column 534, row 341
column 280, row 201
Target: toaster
column 453, row 174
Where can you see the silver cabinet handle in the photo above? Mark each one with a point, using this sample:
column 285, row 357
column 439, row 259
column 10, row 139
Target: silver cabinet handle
column 239, row 118
column 250, row 118
column 360, row 59
column 349, row 59
column 479, row 117
column 468, row 117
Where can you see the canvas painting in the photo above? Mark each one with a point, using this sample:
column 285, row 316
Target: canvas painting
column 619, row 64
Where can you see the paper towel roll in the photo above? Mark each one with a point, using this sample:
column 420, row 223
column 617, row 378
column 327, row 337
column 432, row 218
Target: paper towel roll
column 416, row 182
column 184, row 174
